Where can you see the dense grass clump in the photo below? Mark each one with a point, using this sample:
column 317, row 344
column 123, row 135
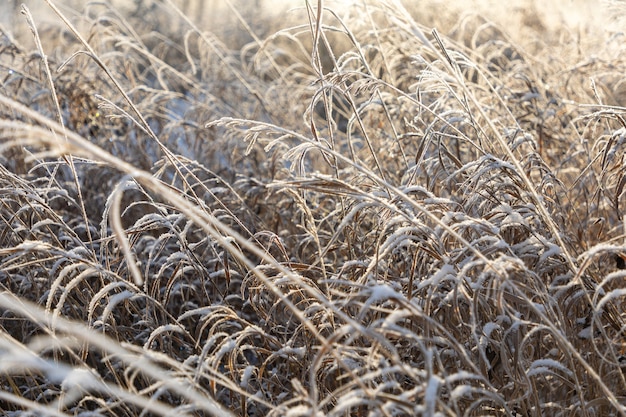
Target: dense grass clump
column 356, row 210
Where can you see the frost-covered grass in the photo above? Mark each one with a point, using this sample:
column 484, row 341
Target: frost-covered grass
column 360, row 210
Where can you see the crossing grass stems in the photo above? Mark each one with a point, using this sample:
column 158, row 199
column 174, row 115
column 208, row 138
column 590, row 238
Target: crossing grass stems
column 360, row 210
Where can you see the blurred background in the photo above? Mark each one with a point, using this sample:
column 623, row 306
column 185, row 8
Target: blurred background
column 211, row 15
column 219, row 15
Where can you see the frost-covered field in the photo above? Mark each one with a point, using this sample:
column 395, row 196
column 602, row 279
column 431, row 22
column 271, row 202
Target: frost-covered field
column 365, row 209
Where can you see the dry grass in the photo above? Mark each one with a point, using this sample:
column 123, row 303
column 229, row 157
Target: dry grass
column 352, row 214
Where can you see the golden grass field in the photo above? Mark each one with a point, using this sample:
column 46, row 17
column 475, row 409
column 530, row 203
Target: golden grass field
column 365, row 208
